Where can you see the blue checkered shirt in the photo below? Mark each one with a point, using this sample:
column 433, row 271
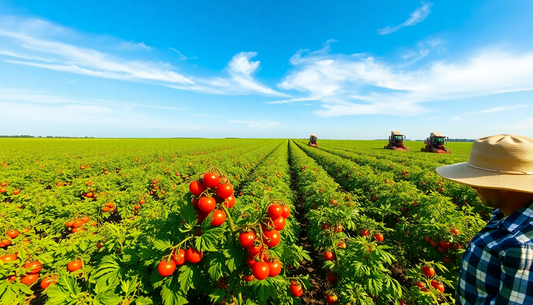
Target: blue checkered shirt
column 497, row 267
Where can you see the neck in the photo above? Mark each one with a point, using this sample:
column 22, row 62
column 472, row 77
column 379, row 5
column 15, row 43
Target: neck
column 514, row 201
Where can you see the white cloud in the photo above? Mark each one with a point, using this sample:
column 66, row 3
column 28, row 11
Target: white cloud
column 182, row 57
column 417, row 16
column 354, row 85
column 257, row 124
column 45, row 45
column 491, row 110
column 19, row 96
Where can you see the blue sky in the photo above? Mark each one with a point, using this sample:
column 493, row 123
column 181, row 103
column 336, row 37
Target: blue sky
column 340, row 69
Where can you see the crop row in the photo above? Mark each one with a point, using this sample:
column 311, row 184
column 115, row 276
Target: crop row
column 115, row 242
column 411, row 218
column 424, row 178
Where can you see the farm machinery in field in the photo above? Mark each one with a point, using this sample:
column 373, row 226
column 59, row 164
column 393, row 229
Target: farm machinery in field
column 436, row 144
column 396, row 141
column 312, row 141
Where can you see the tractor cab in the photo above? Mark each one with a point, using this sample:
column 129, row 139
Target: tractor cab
column 312, row 141
column 436, row 144
column 396, row 141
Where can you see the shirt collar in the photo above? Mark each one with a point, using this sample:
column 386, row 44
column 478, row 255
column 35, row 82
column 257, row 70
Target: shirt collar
column 514, row 221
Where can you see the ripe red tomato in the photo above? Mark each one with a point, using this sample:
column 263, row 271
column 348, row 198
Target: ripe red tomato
column 275, row 211
column 211, row 180
column 296, row 289
column 12, row 233
column 5, row 243
column 218, row 218
column 332, row 278
column 207, row 204
column 456, row 246
column 74, row 265
column 3, row 190
column 8, row 258
column 286, row 211
column 337, row 228
column 420, row 285
column 250, row 260
column 247, row 238
column 365, row 233
column 427, row 239
column 454, row 231
column 329, row 256
column 325, row 226
column 438, row 286
column 279, row 224
column 378, row 237
column 197, row 187
column 222, row 283
column 16, row 192
column 331, row 298
column 433, row 244
column 3, row 184
column 271, row 238
column 445, row 244
column 29, row 279
column 193, row 255
column 166, row 268
column 229, row 202
column 178, row 258
column 249, row 278
column 254, row 249
column 78, row 223
column 33, row 267
column 341, row 244
column 446, row 260
column 274, row 267
column 86, row 219
column 224, row 190
column 428, row 271
column 69, row 224
column 260, row 270
column 442, row 250
column 45, row 283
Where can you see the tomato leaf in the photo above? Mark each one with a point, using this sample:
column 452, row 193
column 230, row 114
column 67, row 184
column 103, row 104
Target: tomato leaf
column 162, row 245
column 185, row 278
column 216, row 265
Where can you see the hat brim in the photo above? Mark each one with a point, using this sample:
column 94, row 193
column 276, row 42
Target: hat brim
column 464, row 174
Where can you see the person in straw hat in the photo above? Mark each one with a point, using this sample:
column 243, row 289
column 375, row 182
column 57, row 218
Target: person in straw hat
column 497, row 267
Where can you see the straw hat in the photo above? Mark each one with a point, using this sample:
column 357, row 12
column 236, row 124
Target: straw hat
column 502, row 162
column 313, row 135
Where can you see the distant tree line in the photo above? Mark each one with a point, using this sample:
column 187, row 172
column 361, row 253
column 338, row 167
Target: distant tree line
column 461, row 140
column 47, row 137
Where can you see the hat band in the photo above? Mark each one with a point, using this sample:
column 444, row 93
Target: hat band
column 500, row 171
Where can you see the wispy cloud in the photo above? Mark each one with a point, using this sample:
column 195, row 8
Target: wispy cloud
column 181, row 56
column 46, row 45
column 257, row 124
column 424, row 48
column 417, row 16
column 491, row 110
column 361, row 84
column 22, row 96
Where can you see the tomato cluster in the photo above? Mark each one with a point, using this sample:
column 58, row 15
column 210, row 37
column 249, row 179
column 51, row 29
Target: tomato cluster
column 208, row 193
column 32, row 269
column 76, row 225
column 258, row 258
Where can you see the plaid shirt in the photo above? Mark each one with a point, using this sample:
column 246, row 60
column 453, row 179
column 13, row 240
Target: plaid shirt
column 497, row 267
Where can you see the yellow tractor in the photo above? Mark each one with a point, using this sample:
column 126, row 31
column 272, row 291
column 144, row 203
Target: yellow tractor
column 435, row 144
column 312, row 141
column 396, row 141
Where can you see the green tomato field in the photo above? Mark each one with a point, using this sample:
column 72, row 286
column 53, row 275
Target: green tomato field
column 230, row 221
